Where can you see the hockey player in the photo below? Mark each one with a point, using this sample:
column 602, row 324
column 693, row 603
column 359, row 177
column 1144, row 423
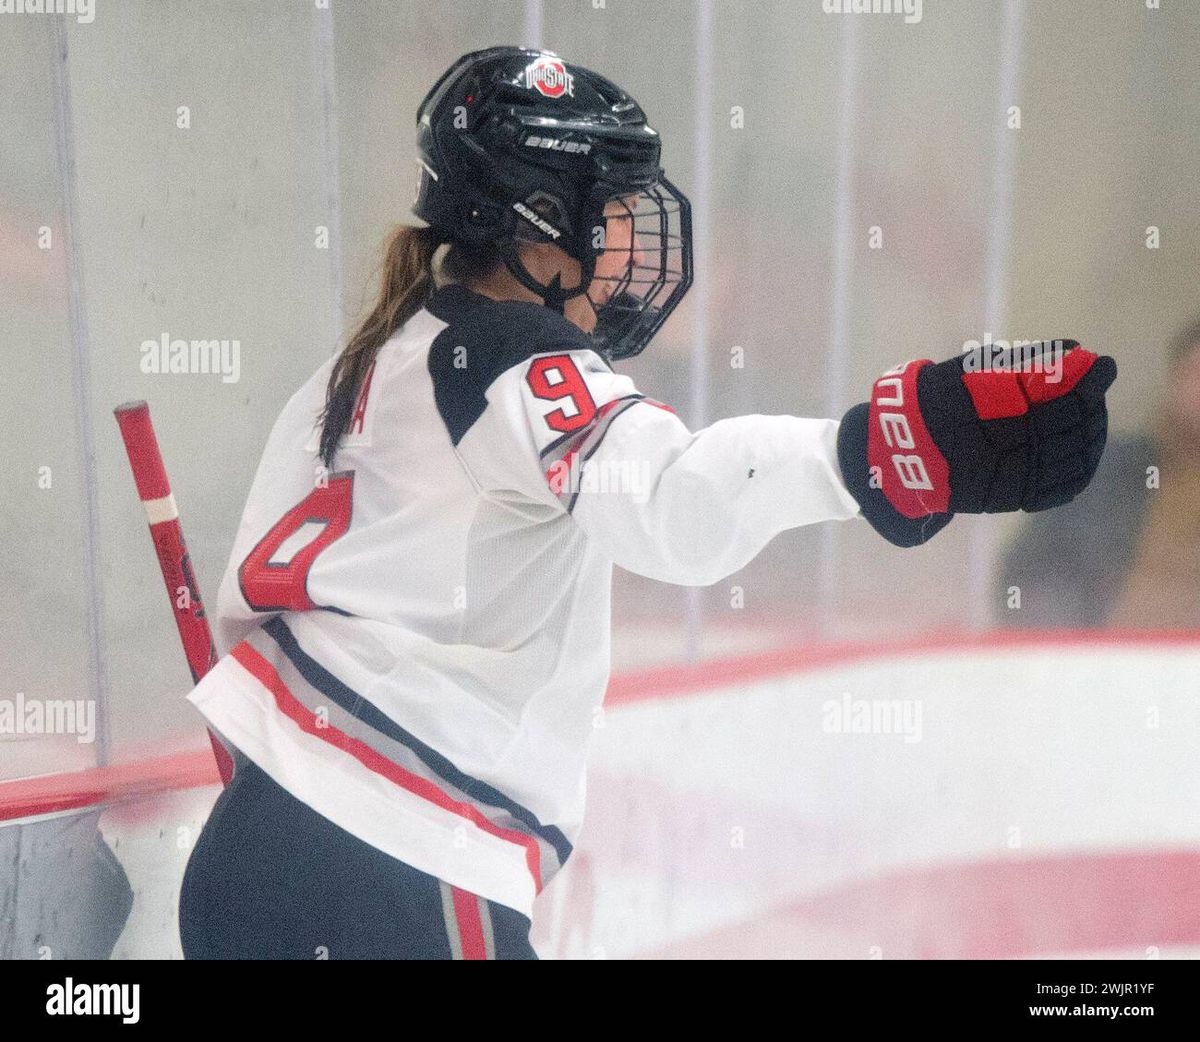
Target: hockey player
column 417, row 602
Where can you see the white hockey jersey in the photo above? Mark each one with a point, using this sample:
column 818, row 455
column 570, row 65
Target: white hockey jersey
column 420, row 640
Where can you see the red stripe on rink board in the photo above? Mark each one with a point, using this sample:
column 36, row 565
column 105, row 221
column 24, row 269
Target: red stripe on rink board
column 680, row 681
column 50, row 793
column 997, row 909
column 304, row 718
column 46, row 794
column 470, row 925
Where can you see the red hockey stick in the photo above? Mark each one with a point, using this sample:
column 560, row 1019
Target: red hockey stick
column 154, row 490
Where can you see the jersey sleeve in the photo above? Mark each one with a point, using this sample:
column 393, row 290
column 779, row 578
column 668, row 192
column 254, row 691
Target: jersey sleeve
column 534, row 408
column 684, row 507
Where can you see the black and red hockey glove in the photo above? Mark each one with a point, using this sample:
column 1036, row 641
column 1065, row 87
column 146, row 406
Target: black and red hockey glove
column 1024, row 432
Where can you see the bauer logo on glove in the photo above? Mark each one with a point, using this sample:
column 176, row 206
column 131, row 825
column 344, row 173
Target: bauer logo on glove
column 1025, row 433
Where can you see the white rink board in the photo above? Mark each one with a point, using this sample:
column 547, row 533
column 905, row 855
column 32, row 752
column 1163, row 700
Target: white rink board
column 723, row 808
column 1049, row 806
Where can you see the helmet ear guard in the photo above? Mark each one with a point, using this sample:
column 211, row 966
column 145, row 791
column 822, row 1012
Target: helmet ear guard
column 545, row 221
column 488, row 219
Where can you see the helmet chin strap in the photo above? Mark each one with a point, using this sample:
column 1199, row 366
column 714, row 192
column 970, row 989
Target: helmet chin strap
column 554, row 297
column 552, row 294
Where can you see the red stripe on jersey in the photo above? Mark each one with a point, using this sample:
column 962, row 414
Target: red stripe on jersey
column 559, row 472
column 657, row 405
column 470, row 925
column 360, row 407
column 570, row 449
column 608, row 407
column 302, row 717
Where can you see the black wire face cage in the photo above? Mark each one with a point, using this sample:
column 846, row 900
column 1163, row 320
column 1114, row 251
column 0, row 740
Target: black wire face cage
column 632, row 305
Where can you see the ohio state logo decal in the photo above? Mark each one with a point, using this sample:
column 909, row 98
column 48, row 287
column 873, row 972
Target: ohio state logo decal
column 549, row 76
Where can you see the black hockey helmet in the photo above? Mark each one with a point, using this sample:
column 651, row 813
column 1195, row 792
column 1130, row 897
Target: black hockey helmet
column 517, row 145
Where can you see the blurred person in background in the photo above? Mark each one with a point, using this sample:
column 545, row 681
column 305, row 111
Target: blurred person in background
column 1126, row 552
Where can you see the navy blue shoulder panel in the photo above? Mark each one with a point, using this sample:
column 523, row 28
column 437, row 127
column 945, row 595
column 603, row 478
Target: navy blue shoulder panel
column 484, row 338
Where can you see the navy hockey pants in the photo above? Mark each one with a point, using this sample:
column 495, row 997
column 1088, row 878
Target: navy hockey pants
column 270, row 878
